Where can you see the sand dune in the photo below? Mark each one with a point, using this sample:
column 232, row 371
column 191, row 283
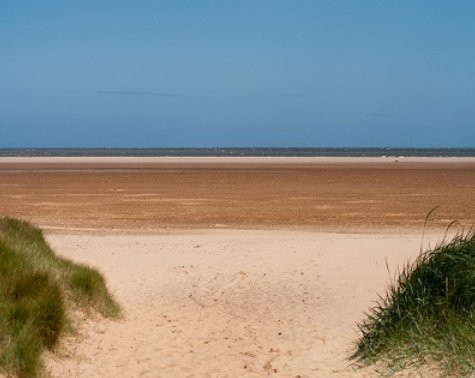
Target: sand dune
column 229, row 303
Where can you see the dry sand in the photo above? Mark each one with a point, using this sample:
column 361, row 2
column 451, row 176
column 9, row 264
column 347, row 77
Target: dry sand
column 279, row 291
column 230, row 303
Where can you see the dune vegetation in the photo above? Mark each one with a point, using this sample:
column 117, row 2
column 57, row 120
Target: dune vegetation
column 428, row 313
column 38, row 290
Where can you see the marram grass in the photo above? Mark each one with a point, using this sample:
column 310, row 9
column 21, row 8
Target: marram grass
column 428, row 313
column 37, row 288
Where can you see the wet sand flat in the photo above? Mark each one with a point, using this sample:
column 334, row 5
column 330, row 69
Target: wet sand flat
column 155, row 193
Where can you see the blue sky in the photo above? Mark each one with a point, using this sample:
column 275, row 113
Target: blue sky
column 237, row 73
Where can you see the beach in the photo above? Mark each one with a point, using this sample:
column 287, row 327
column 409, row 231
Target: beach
column 331, row 194
column 234, row 266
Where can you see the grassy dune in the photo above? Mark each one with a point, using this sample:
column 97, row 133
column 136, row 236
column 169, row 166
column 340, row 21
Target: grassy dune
column 428, row 314
column 37, row 288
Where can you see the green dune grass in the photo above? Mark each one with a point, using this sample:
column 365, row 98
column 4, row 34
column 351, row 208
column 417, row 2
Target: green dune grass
column 37, row 288
column 428, row 314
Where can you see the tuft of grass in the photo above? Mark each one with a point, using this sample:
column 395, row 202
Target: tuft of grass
column 428, row 313
column 36, row 289
column 90, row 288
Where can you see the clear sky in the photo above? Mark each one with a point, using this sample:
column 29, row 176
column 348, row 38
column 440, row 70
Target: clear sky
column 95, row 73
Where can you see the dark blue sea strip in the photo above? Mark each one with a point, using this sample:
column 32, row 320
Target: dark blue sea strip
column 251, row 152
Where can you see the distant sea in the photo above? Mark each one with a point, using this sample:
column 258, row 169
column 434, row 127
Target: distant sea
column 289, row 152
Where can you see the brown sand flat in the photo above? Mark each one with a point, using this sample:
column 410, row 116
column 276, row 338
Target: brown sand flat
column 153, row 193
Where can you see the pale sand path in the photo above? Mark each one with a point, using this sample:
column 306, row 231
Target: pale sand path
column 231, row 303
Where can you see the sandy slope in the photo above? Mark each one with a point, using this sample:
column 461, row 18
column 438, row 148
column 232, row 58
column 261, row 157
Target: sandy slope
column 229, row 303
